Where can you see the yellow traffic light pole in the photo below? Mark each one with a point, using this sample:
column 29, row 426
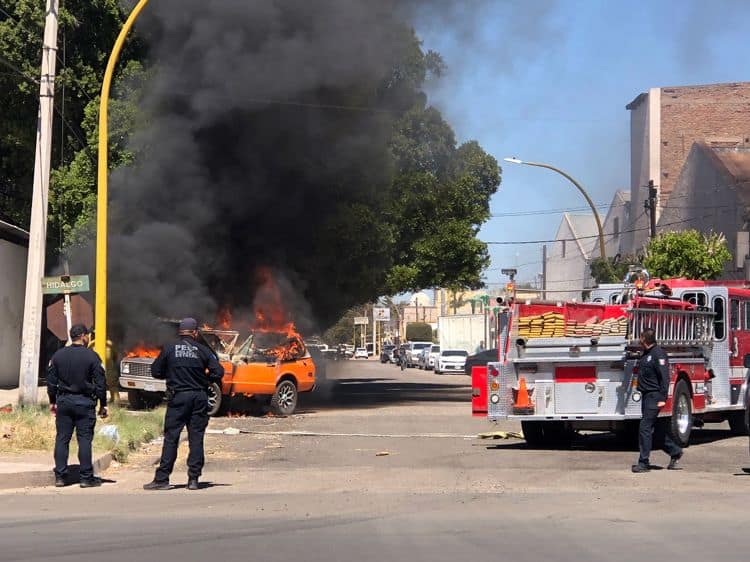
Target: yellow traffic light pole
column 100, row 320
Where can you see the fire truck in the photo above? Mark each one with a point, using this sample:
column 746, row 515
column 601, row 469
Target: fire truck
column 565, row 367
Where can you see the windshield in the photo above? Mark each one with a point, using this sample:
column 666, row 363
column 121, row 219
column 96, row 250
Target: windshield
column 421, row 345
column 454, row 353
column 435, row 349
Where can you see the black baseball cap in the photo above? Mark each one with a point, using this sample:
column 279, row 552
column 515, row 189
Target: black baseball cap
column 78, row 330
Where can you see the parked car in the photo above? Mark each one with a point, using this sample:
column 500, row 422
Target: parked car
column 432, row 357
column 481, row 358
column 360, row 353
column 386, row 355
column 413, row 349
column 451, row 361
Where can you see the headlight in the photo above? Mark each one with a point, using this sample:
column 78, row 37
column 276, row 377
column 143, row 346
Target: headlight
column 125, row 368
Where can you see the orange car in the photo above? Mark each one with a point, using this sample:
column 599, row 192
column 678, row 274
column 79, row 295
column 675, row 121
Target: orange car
column 272, row 368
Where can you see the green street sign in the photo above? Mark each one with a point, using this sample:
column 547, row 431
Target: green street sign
column 65, row 284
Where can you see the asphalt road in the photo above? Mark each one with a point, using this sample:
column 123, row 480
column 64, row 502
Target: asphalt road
column 385, row 465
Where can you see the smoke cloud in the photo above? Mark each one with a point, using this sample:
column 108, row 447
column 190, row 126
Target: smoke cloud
column 267, row 136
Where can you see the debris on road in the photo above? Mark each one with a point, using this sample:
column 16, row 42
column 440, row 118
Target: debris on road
column 7, row 409
column 501, row 435
column 382, row 454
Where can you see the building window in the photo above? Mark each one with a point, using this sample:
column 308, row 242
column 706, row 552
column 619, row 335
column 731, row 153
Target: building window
column 563, row 248
column 616, row 227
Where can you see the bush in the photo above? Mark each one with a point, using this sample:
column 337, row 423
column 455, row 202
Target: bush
column 418, row 331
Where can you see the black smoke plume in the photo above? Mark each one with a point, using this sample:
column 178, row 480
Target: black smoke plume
column 266, row 147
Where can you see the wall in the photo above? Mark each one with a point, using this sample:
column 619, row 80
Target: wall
column 705, row 199
column 12, row 290
column 645, row 135
column 716, row 113
column 566, row 274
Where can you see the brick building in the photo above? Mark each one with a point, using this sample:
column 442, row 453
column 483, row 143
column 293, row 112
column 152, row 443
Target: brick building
column 664, row 124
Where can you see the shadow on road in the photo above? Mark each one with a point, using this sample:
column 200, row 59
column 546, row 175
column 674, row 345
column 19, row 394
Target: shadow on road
column 612, row 442
column 374, row 392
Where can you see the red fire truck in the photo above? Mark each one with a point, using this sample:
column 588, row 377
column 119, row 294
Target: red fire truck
column 573, row 366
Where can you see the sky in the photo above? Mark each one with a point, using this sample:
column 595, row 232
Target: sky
column 548, row 81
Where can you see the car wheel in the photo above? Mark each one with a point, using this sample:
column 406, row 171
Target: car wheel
column 152, row 399
column 135, row 400
column 216, row 402
column 738, row 420
column 284, row 400
column 681, row 423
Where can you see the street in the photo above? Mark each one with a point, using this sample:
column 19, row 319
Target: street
column 380, row 465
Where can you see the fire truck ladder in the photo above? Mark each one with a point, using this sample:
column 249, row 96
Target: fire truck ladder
column 672, row 327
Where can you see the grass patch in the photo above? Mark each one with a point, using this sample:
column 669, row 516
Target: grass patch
column 33, row 429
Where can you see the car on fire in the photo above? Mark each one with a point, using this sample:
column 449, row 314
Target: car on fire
column 271, row 368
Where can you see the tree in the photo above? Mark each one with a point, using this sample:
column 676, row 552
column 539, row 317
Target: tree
column 87, row 31
column 688, row 253
column 418, row 331
column 612, row 272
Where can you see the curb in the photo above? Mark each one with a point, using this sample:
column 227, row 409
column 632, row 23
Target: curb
column 41, row 478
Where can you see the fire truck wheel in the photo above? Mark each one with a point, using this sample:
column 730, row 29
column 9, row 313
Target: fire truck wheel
column 738, row 422
column 216, row 402
column 135, row 400
column 682, row 414
column 284, row 400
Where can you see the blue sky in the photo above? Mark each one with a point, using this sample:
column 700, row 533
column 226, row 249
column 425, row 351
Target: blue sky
column 548, row 81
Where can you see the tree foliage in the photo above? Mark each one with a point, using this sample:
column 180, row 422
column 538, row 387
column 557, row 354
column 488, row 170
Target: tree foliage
column 86, row 32
column 688, row 253
column 612, row 272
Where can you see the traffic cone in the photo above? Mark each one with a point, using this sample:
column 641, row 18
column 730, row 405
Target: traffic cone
column 523, row 403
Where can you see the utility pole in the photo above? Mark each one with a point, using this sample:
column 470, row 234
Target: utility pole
column 650, row 206
column 28, row 381
column 544, row 272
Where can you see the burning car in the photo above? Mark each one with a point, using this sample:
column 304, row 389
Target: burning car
column 271, row 367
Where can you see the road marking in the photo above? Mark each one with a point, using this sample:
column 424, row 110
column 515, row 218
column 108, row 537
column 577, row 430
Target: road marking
column 327, row 434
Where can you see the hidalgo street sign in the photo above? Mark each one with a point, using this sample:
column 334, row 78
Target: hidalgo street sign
column 65, row 284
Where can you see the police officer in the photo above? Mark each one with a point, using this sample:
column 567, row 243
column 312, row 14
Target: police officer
column 75, row 381
column 653, row 384
column 189, row 368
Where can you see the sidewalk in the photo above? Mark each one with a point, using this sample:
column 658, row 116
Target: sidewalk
column 10, row 396
column 34, row 468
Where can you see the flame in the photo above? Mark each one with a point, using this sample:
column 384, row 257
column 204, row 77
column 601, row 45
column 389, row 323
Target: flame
column 224, row 318
column 142, row 350
column 271, row 317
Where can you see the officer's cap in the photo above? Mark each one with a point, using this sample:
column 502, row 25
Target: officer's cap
column 188, row 325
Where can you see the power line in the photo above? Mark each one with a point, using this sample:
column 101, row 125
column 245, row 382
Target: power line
column 520, row 242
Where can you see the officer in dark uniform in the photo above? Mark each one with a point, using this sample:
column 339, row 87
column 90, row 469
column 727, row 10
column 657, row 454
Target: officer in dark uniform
column 75, row 381
column 189, row 368
column 653, row 384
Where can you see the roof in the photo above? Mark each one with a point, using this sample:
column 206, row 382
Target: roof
column 732, row 163
column 584, row 230
column 670, row 89
column 12, row 233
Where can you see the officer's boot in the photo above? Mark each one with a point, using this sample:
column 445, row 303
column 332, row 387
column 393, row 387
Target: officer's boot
column 193, row 484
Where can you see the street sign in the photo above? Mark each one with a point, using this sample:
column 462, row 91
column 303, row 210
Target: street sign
column 65, row 284
column 382, row 314
column 361, row 321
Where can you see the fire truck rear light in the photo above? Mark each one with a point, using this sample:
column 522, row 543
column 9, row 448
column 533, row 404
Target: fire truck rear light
column 494, row 386
column 495, row 398
column 494, row 372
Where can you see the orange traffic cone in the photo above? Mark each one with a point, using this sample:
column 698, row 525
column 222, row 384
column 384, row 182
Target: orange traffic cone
column 523, row 403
